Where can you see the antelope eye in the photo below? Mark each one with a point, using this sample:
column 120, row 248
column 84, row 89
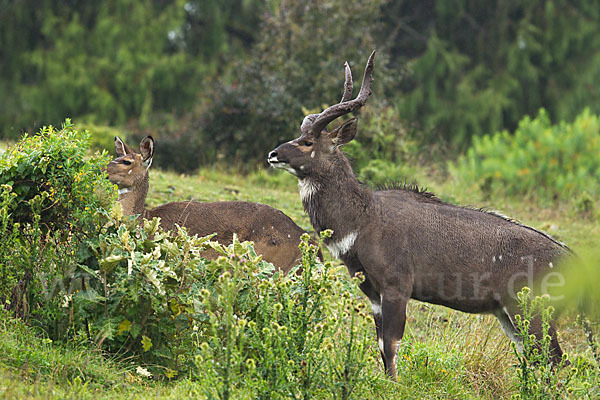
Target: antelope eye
column 126, row 162
column 307, row 143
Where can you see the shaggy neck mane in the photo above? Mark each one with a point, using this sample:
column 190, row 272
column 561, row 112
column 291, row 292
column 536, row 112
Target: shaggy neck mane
column 334, row 198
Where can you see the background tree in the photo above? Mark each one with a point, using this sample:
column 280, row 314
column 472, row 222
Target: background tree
column 227, row 79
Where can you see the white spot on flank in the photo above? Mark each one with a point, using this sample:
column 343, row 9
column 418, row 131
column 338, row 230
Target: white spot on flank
column 307, row 188
column 494, row 259
column 551, row 265
column 342, row 246
column 500, row 257
column 289, row 236
column 302, row 168
column 312, row 154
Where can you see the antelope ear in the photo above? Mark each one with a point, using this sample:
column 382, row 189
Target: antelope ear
column 121, row 148
column 147, row 150
column 344, row 133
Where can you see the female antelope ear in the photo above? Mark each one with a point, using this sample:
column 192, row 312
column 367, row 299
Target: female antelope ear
column 121, row 148
column 147, row 150
column 344, row 133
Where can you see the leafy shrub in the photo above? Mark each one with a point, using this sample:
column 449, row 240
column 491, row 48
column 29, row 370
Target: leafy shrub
column 537, row 377
column 551, row 161
column 230, row 323
column 52, row 197
column 534, row 359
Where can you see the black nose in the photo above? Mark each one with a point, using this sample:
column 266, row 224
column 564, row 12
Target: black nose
column 273, row 154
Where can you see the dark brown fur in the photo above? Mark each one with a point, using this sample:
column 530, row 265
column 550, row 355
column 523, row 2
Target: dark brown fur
column 410, row 244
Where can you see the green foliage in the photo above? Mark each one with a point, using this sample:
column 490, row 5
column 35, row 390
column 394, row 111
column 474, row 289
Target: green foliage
column 38, row 358
column 551, row 161
column 52, row 172
column 105, row 62
column 474, row 67
column 432, row 364
column 580, row 296
column 52, row 196
column 231, row 323
column 304, row 338
column 102, row 137
column 537, row 377
column 234, row 74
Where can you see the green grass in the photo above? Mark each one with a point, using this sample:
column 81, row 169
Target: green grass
column 445, row 354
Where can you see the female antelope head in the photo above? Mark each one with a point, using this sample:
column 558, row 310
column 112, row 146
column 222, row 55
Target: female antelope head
column 129, row 169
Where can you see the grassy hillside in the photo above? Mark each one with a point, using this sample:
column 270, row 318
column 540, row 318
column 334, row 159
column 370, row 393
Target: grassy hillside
column 444, row 354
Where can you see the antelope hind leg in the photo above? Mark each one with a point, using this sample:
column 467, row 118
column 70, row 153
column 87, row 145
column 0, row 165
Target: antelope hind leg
column 393, row 309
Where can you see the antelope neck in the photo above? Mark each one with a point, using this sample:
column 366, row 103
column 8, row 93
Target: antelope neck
column 132, row 199
column 336, row 202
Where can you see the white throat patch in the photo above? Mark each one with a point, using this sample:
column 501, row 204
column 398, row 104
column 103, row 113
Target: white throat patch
column 307, row 188
column 342, row 246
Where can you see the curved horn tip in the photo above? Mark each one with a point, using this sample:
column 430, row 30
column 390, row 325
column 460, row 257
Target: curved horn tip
column 371, row 57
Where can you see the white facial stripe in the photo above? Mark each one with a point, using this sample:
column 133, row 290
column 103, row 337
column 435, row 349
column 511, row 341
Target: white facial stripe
column 342, row 246
column 307, row 188
column 290, row 170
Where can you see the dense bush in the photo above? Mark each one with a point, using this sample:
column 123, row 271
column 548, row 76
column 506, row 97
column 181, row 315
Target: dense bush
column 552, row 161
column 230, row 323
column 53, row 195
